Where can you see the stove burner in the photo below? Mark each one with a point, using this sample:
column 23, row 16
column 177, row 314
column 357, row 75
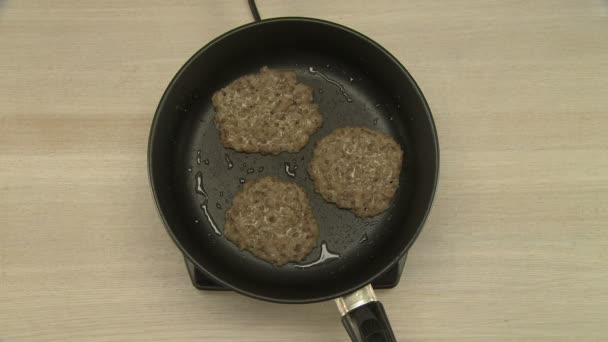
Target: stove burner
column 388, row 280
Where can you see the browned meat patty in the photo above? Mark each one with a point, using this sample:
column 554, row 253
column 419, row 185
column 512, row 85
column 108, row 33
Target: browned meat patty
column 357, row 169
column 268, row 112
column 272, row 219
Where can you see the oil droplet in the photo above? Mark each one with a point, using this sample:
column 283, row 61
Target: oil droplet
column 321, row 91
column 228, row 161
column 218, row 205
column 325, row 255
column 206, row 161
column 251, row 170
column 327, row 79
column 195, row 221
column 391, row 118
column 351, row 79
column 221, row 194
column 289, row 170
column 241, row 180
column 363, row 238
column 261, row 169
column 200, row 188
column 189, row 169
column 209, row 218
column 198, row 157
column 375, row 122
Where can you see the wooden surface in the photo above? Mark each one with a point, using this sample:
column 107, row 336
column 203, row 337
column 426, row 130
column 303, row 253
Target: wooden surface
column 515, row 249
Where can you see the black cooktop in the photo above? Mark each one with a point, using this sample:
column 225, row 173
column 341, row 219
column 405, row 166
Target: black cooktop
column 388, row 280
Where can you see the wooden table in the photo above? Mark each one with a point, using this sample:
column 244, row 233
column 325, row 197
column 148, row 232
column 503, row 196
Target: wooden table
column 516, row 247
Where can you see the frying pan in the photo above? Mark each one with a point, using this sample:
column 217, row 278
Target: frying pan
column 194, row 178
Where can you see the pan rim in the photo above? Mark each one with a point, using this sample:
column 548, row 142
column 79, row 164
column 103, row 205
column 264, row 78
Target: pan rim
column 329, row 24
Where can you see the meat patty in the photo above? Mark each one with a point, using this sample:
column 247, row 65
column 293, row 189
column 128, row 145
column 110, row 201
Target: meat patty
column 272, row 219
column 357, row 169
column 269, row 112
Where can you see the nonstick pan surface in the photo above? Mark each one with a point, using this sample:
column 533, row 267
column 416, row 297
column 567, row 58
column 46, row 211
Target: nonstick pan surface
column 356, row 83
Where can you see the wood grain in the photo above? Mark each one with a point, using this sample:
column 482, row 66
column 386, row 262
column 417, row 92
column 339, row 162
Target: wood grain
column 515, row 249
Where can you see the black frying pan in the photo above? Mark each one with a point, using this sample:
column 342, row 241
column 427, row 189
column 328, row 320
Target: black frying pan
column 357, row 83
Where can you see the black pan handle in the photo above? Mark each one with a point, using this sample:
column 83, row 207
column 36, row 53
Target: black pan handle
column 364, row 318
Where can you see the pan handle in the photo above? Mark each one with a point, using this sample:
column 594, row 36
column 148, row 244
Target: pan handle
column 364, row 318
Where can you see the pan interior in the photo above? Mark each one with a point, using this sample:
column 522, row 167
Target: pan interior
column 353, row 88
